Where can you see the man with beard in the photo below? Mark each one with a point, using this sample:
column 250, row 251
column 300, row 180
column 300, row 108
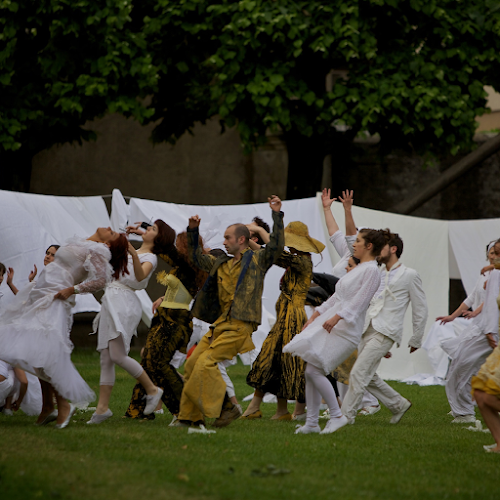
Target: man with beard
column 400, row 285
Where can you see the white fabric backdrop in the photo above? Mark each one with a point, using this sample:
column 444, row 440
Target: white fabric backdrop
column 468, row 240
column 32, row 222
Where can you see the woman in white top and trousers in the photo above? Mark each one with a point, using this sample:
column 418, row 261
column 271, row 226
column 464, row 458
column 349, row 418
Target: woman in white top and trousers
column 343, row 244
column 121, row 312
column 474, row 347
column 445, row 334
column 333, row 332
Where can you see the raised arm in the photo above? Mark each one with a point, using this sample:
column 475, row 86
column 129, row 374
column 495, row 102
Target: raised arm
column 331, row 223
column 347, row 200
column 143, row 270
column 195, row 255
column 271, row 253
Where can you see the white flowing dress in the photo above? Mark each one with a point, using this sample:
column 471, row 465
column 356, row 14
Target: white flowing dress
column 121, row 309
column 442, row 341
column 351, row 299
column 35, row 328
column 32, row 401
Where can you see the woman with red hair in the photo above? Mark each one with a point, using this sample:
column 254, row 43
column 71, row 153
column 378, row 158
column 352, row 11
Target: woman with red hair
column 121, row 312
column 171, row 329
column 35, row 330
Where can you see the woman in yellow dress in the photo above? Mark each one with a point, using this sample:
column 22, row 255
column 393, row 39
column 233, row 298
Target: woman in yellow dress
column 274, row 371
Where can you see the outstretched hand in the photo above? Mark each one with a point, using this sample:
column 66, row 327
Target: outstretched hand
column 347, row 199
column 325, row 198
column 445, row 319
column 274, row 203
column 194, row 222
column 135, row 229
column 32, row 275
column 10, row 275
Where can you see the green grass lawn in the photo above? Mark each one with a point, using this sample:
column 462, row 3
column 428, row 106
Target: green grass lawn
column 424, row 456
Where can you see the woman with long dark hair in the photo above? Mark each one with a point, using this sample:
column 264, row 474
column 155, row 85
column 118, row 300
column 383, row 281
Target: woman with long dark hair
column 334, row 331
column 35, row 329
column 171, row 329
column 121, row 312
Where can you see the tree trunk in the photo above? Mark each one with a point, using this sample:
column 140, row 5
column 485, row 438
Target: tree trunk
column 16, row 170
column 305, row 164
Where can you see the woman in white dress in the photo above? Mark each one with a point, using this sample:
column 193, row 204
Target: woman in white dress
column 121, row 312
column 35, row 329
column 446, row 333
column 334, row 331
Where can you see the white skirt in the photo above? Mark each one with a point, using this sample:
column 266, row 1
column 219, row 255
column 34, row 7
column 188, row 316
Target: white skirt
column 120, row 314
column 320, row 348
column 35, row 336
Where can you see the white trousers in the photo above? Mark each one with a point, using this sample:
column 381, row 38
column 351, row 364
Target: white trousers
column 470, row 356
column 317, row 387
column 372, row 348
column 229, row 383
column 368, row 398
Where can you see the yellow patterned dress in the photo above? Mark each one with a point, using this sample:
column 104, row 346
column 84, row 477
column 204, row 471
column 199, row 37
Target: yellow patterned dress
column 274, row 371
column 488, row 376
column 170, row 331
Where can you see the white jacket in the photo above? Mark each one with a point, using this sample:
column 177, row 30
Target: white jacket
column 387, row 310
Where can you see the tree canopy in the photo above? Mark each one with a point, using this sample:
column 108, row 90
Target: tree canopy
column 62, row 63
column 412, row 71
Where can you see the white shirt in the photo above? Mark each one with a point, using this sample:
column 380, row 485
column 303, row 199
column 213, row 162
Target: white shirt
column 488, row 319
column 341, row 244
column 399, row 286
column 476, row 298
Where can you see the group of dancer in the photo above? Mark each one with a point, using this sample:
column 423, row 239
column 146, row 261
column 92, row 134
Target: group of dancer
column 349, row 333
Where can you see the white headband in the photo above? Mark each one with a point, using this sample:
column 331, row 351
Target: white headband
column 491, row 245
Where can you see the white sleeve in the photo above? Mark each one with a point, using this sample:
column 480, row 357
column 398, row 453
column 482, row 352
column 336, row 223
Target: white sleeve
column 419, row 311
column 368, row 284
column 327, row 304
column 350, row 240
column 99, row 269
column 469, row 301
column 338, row 240
column 489, row 323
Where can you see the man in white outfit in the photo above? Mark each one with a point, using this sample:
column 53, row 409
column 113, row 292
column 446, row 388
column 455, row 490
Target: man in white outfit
column 400, row 285
column 473, row 350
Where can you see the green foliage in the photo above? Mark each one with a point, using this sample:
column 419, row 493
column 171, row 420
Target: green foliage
column 65, row 62
column 415, row 69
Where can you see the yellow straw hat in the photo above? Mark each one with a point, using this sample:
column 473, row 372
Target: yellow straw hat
column 297, row 236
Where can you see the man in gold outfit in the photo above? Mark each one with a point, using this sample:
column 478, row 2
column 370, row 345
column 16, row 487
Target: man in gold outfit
column 231, row 301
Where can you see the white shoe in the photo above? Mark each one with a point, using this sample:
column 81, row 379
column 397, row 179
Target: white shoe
column 7, row 412
column 100, row 418
column 396, row 417
column 489, row 446
column 305, row 429
column 152, row 401
column 159, row 412
column 239, row 408
column 369, row 410
column 300, row 418
column 72, row 410
column 464, row 419
column 335, row 424
column 173, row 424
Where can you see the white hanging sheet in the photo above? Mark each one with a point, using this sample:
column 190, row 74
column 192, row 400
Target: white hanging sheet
column 32, row 222
column 468, row 240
